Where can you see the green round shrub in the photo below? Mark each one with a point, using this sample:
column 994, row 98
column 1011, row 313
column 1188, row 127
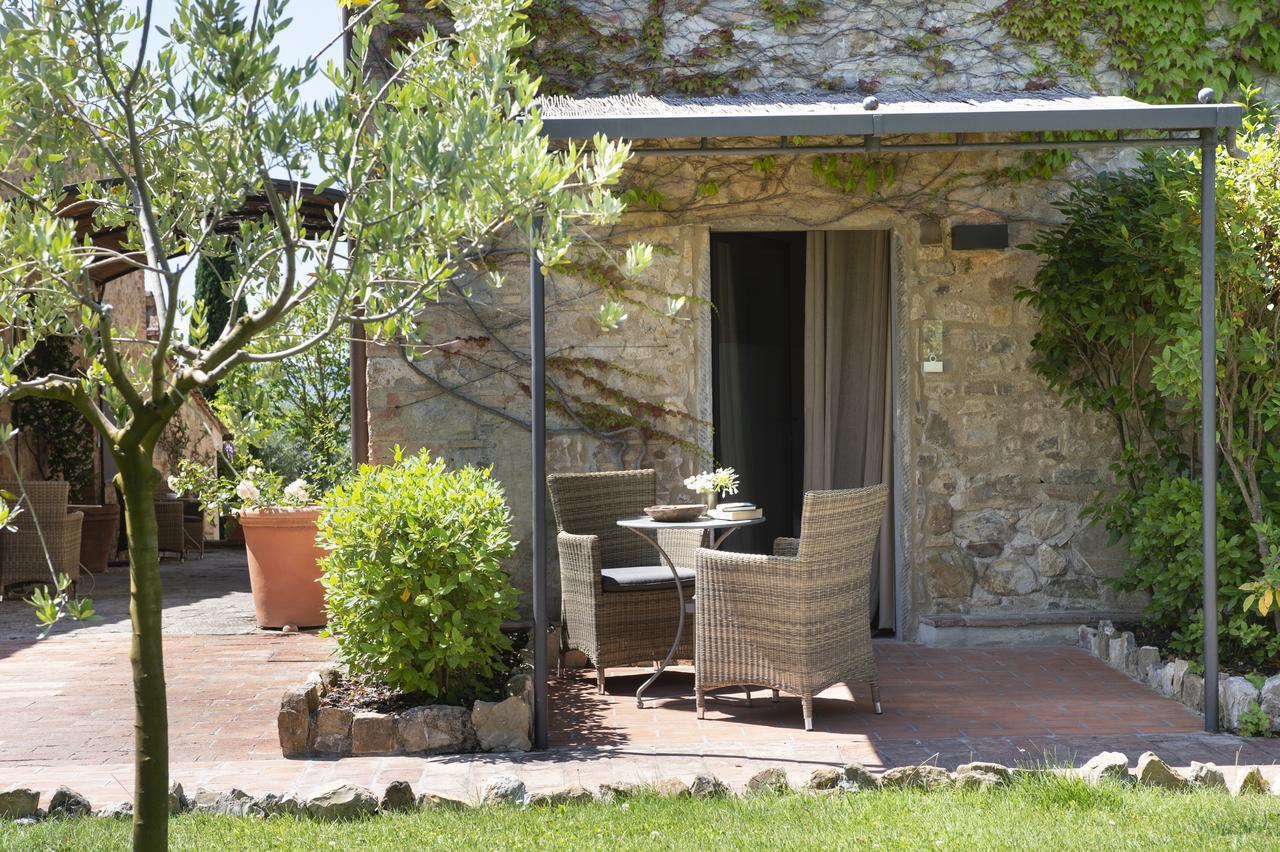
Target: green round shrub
column 414, row 584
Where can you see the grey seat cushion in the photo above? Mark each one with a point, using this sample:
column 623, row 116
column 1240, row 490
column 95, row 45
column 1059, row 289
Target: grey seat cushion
column 643, row 578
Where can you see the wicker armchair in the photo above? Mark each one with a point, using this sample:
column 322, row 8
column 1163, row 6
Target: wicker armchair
column 617, row 598
column 797, row 621
column 192, row 528
column 171, row 534
column 22, row 556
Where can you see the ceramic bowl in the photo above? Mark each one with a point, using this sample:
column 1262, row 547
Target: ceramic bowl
column 676, row 514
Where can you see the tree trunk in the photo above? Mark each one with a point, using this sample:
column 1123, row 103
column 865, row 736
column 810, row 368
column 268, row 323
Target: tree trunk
column 137, row 480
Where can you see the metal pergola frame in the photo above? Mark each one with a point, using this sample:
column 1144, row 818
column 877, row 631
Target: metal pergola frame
column 1182, row 125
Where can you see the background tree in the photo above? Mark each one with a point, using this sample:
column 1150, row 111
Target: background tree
column 214, row 290
column 1118, row 299
column 436, row 160
column 293, row 416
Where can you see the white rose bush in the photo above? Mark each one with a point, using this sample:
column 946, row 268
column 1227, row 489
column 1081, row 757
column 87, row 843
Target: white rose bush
column 255, row 488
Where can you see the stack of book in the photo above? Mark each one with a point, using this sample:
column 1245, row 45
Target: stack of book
column 735, row 512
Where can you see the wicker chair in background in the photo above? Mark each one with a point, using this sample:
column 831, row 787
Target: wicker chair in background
column 192, row 528
column 171, row 533
column 798, row 621
column 22, row 556
column 617, row 598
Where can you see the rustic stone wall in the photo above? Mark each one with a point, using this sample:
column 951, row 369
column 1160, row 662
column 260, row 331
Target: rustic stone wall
column 994, row 470
column 716, row 46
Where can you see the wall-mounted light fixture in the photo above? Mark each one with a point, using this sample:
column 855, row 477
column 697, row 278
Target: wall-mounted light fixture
column 931, row 346
column 971, row 237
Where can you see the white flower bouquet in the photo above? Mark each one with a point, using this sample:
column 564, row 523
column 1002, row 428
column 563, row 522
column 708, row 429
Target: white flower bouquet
column 719, row 482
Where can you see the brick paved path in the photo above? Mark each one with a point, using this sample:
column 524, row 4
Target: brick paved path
column 68, row 713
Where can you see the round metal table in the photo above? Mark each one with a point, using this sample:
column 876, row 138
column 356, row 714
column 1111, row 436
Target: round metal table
column 647, row 528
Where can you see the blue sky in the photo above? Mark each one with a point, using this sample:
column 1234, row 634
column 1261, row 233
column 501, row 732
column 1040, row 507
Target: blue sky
column 315, row 22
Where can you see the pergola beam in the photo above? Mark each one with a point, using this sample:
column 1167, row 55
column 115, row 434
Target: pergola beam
column 854, row 120
column 921, row 147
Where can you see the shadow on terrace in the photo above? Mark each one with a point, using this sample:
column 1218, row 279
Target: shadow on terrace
column 208, row 596
column 946, row 705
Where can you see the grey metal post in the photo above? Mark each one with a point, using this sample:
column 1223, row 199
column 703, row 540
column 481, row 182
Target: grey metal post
column 1208, row 420
column 357, row 347
column 538, row 394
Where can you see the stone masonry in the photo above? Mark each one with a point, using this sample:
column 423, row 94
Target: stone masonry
column 993, row 470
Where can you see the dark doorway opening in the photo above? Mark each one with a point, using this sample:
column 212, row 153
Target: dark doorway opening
column 757, row 330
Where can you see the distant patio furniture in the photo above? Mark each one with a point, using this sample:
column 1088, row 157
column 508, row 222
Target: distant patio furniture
column 44, row 516
column 616, row 598
column 651, row 530
column 797, row 621
column 192, row 528
column 171, row 533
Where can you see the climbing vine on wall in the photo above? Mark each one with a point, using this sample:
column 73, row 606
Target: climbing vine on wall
column 59, row 437
column 569, row 47
column 585, row 393
column 1163, row 49
column 1166, row 49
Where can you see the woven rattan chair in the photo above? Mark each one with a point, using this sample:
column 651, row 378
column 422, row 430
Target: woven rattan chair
column 618, row 600
column 797, row 621
column 171, row 534
column 192, row 528
column 22, row 555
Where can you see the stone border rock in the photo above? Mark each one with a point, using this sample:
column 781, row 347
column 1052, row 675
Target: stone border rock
column 307, row 728
column 1237, row 697
column 349, row 801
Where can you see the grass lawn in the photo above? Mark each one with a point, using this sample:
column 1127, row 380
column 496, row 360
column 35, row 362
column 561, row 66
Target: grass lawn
column 1031, row 814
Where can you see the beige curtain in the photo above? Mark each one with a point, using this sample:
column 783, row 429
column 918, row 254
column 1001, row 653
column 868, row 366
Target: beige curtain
column 848, row 422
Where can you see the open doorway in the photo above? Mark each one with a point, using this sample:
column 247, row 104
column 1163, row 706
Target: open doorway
column 801, row 363
column 757, row 330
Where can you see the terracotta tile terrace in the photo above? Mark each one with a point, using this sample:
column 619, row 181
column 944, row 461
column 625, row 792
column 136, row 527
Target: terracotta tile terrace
column 68, row 713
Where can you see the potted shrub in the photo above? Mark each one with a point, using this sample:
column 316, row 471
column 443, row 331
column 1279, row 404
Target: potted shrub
column 279, row 524
column 414, row 583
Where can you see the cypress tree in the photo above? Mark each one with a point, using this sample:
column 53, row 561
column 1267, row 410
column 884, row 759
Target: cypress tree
column 211, row 273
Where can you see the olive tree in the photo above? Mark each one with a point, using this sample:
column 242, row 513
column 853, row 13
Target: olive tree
column 169, row 134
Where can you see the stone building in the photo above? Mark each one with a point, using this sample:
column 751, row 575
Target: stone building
column 990, row 471
column 195, row 432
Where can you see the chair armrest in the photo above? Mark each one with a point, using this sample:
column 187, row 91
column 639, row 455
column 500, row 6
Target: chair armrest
column 580, row 564
column 580, row 589
column 579, row 550
column 64, row 543
column 786, row 547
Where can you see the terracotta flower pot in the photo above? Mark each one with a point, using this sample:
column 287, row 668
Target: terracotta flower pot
column 284, row 566
column 99, row 535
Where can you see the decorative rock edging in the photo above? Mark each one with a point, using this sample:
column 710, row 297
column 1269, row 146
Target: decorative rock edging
column 306, row 728
column 1239, row 701
column 349, row 802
